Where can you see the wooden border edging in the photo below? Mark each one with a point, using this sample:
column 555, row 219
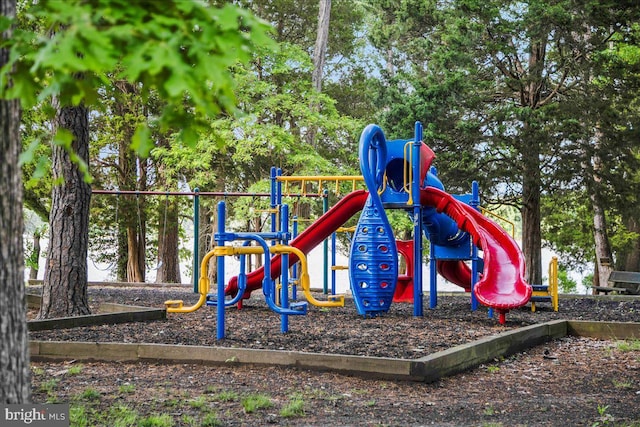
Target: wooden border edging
column 466, row 356
column 604, row 330
column 429, row 368
column 98, row 319
column 110, row 314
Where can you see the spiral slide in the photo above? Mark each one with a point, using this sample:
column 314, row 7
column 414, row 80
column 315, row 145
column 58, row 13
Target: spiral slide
column 502, row 285
column 319, row 230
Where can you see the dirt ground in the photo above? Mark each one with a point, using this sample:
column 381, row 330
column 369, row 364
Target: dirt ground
column 572, row 381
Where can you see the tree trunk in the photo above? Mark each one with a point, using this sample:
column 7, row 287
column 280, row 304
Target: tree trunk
column 33, row 271
column 531, row 180
column 15, row 385
column 136, row 246
column 65, row 279
column 632, row 259
column 604, row 258
column 602, row 247
column 320, row 49
column 122, row 255
column 168, row 243
column 319, row 53
column 531, row 233
column 131, row 241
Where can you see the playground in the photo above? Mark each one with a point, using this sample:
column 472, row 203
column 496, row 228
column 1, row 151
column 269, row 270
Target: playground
column 577, row 379
column 499, row 352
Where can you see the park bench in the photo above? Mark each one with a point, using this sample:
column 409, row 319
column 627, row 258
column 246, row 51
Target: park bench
column 622, row 282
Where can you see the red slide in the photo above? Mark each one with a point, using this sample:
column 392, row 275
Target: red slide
column 502, row 286
column 319, row 230
column 455, row 271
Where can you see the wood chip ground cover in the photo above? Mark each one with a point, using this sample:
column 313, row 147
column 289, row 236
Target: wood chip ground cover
column 572, row 381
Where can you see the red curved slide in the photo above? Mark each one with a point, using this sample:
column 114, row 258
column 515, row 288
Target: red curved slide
column 455, row 271
column 319, row 230
column 502, row 285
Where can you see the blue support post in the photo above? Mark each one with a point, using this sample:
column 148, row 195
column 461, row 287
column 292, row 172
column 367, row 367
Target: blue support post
column 196, row 239
column 284, row 280
column 220, row 241
column 475, row 203
column 325, row 246
column 417, row 223
column 433, row 277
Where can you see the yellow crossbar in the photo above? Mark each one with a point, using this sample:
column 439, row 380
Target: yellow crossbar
column 319, row 180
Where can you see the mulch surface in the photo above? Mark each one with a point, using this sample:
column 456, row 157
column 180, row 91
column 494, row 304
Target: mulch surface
column 572, row 381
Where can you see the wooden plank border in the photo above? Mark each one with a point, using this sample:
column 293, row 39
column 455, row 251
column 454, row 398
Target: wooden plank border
column 111, row 313
column 429, row 368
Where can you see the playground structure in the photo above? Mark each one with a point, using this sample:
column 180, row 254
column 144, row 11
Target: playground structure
column 398, row 175
column 547, row 293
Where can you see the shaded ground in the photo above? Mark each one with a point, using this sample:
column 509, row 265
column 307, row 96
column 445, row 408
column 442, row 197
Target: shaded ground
column 574, row 381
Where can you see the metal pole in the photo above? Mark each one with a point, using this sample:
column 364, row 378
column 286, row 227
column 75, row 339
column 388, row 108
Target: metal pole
column 417, row 223
column 220, row 241
column 475, row 203
column 433, row 277
column 284, row 274
column 325, row 246
column 196, row 239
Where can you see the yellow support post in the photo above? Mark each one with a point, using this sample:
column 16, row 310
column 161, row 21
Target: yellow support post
column 177, row 306
column 550, row 291
column 553, row 282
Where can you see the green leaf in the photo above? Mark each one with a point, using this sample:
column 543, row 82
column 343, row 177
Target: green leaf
column 5, row 23
column 190, row 136
column 28, row 155
column 141, row 142
column 63, row 138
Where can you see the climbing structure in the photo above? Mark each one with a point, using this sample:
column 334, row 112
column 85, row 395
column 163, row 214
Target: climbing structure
column 373, row 257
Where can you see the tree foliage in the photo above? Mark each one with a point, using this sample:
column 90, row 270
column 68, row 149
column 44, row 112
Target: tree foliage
column 512, row 94
column 183, row 50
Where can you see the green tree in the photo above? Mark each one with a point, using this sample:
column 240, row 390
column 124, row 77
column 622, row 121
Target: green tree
column 14, row 355
column 198, row 43
column 491, row 81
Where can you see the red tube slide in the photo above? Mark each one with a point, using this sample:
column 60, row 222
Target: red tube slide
column 502, row 285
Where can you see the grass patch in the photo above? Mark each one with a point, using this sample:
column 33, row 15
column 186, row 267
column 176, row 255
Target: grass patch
column 492, row 369
column 49, row 385
column 293, row 408
column 226, row 396
column 157, row 420
column 253, row 402
column 211, row 420
column 79, row 416
column 122, row 416
column 127, row 388
column 75, row 370
column 90, row 394
column 621, row 384
column 37, row 371
column 198, row 403
column 628, row 345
